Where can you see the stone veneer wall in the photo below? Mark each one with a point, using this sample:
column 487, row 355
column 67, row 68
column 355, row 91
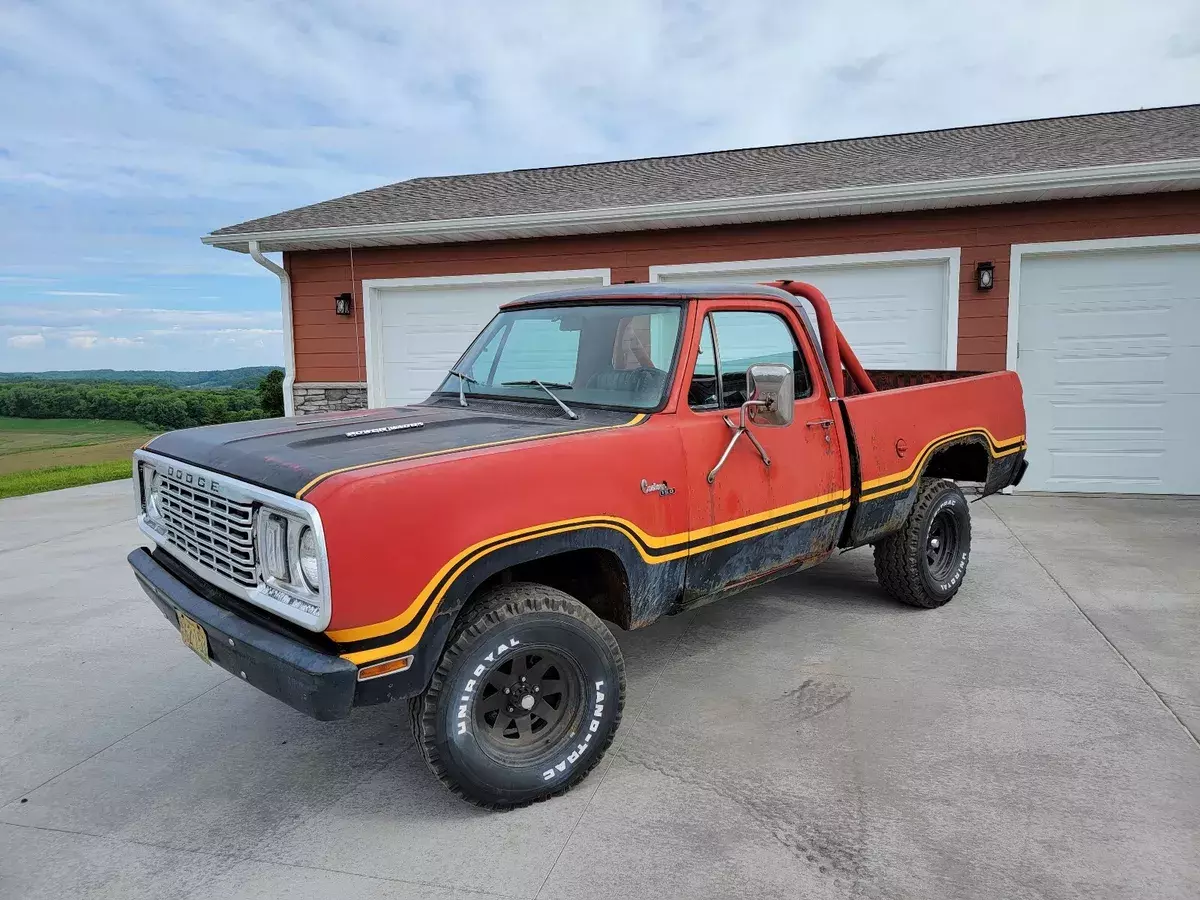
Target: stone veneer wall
column 328, row 396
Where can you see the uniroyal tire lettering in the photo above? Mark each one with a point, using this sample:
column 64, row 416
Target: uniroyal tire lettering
column 464, row 704
column 593, row 726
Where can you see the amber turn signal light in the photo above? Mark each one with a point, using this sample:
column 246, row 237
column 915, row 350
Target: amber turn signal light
column 385, row 668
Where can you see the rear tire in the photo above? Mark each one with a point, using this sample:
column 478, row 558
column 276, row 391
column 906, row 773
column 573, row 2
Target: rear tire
column 924, row 563
column 525, row 700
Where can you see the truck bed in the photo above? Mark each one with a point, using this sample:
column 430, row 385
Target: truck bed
column 972, row 423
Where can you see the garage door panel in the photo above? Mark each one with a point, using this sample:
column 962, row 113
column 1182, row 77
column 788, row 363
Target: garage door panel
column 396, row 307
column 1048, row 373
column 1136, row 470
column 895, row 315
column 1109, row 357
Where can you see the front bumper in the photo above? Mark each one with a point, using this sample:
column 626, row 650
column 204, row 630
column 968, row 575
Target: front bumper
column 306, row 678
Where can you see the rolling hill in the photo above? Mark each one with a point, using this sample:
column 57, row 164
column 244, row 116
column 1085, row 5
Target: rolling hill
column 247, row 377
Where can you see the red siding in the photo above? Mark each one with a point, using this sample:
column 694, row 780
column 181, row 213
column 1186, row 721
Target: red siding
column 330, row 348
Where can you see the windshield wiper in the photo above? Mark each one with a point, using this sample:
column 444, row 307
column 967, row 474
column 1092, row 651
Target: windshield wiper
column 562, row 387
column 462, row 379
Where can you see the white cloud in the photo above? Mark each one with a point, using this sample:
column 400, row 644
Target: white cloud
column 129, row 129
column 179, row 318
column 90, row 341
column 133, row 337
column 349, row 96
column 24, row 280
column 80, row 294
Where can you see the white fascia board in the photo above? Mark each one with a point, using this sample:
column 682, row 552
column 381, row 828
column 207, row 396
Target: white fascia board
column 1095, row 180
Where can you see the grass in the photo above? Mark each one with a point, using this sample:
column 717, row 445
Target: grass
column 47, row 454
column 34, row 481
column 21, row 435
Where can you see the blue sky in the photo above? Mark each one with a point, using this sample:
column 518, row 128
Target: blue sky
column 128, row 130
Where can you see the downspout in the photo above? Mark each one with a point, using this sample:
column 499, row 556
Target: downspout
column 289, row 346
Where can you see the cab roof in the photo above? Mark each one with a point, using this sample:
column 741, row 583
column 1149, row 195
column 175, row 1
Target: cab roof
column 630, row 293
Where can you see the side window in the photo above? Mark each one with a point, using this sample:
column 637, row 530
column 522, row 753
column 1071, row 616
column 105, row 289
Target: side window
column 746, row 338
column 538, row 348
column 702, row 392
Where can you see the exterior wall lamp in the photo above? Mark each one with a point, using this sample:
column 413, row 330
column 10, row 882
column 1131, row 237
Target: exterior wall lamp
column 985, row 276
column 343, row 304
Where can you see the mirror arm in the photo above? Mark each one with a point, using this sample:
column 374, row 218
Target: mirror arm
column 759, row 447
column 738, row 431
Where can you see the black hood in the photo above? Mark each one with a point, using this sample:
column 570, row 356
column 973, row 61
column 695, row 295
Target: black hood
column 287, row 455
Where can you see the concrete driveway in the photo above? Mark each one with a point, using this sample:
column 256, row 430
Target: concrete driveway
column 1035, row 738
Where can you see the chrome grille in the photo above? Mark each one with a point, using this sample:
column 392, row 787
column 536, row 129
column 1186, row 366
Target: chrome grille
column 215, row 532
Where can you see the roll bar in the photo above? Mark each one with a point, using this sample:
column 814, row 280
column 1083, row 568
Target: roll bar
column 834, row 345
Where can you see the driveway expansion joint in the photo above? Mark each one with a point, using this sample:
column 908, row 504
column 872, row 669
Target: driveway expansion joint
column 1117, row 650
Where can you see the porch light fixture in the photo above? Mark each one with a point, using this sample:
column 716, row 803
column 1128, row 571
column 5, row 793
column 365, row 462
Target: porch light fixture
column 343, row 304
column 985, row 276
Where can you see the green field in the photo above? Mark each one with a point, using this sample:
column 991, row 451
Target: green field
column 48, row 454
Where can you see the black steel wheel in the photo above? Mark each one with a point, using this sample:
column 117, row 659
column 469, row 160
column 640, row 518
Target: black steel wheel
column 525, row 700
column 527, row 703
column 942, row 545
column 925, row 561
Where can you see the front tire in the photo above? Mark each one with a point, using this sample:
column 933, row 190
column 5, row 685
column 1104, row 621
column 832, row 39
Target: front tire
column 525, row 700
column 924, row 563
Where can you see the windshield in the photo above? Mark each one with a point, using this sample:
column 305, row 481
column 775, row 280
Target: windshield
column 588, row 355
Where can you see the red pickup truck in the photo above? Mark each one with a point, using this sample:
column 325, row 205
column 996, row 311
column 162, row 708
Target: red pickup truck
column 619, row 453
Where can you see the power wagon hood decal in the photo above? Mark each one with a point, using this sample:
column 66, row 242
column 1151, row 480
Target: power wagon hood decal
column 292, row 455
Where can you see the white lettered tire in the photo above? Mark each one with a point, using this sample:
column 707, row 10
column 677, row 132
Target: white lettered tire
column 924, row 563
column 525, row 700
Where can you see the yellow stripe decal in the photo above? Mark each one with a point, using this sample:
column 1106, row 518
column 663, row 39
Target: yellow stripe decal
column 383, row 462
column 409, row 642
column 900, row 481
column 680, row 540
column 413, row 639
column 688, row 543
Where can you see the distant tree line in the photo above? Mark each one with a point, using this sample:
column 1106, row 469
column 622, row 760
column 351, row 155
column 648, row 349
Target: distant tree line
column 152, row 405
column 247, row 377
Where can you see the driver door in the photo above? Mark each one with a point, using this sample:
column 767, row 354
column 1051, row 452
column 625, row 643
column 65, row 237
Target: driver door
column 755, row 521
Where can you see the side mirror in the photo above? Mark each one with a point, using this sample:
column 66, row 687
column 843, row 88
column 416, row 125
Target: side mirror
column 771, row 389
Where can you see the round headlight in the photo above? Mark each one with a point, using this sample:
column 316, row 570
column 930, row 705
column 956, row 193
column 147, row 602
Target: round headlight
column 154, row 497
column 310, row 563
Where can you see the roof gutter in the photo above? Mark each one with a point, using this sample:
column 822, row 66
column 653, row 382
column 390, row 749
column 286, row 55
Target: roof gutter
column 289, row 346
column 1182, row 174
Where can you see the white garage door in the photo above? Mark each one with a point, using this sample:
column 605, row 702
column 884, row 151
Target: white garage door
column 418, row 327
column 898, row 311
column 1109, row 355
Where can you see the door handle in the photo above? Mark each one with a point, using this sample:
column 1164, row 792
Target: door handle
column 826, row 424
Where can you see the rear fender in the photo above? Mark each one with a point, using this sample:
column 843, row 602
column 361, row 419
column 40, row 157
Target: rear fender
column 971, row 458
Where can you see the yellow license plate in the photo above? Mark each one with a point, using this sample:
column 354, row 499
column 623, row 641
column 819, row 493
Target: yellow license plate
column 193, row 635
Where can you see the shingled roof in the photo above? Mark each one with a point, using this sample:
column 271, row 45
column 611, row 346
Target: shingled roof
column 531, row 200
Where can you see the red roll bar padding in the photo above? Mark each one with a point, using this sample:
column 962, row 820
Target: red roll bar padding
column 834, row 345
